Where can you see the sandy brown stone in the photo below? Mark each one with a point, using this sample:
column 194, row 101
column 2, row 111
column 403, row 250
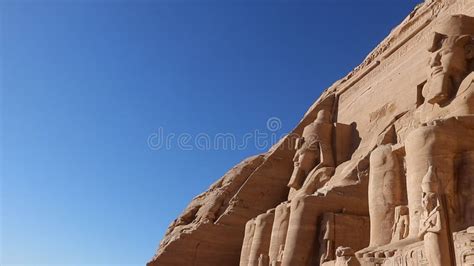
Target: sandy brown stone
column 391, row 143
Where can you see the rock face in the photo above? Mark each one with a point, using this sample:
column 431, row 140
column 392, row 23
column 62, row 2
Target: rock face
column 380, row 171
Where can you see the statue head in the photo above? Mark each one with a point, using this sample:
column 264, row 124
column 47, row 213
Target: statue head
column 452, row 51
column 323, row 117
column 429, row 201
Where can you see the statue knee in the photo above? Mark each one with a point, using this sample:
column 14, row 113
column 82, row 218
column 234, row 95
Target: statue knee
column 298, row 202
column 421, row 139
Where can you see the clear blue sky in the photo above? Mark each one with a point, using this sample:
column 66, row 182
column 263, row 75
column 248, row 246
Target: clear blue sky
column 84, row 84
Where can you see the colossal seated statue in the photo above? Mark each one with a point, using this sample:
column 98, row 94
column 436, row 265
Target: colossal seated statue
column 440, row 146
column 445, row 136
column 296, row 221
column 441, row 135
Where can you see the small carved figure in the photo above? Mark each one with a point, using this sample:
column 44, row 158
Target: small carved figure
column 433, row 227
column 314, row 149
column 401, row 225
column 327, row 238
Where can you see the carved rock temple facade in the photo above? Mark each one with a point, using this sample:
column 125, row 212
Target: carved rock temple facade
column 380, row 170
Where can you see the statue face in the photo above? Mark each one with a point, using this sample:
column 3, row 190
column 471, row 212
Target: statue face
column 296, row 159
column 448, row 66
column 428, row 201
column 425, row 202
column 448, row 58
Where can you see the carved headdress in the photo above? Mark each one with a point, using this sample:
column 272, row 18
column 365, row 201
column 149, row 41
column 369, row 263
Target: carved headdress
column 430, row 181
column 455, row 26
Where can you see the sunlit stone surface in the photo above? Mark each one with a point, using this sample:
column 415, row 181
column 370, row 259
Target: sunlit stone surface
column 380, row 171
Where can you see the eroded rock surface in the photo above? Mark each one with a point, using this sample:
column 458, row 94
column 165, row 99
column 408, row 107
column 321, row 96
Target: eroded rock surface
column 380, row 170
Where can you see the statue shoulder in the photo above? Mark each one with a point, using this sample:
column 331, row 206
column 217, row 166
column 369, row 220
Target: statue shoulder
column 467, row 84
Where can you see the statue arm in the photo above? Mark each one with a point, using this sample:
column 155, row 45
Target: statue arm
column 423, row 228
column 436, row 227
column 405, row 229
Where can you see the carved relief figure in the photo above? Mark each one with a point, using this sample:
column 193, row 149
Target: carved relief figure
column 433, row 226
column 314, row 149
column 401, row 223
column 326, row 241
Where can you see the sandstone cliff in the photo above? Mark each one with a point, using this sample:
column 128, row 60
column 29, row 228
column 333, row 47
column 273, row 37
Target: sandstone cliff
column 387, row 120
